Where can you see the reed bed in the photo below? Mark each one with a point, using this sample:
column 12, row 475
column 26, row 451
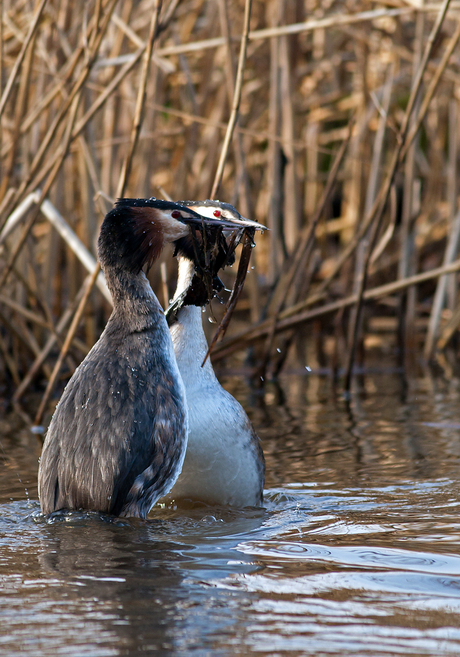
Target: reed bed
column 335, row 124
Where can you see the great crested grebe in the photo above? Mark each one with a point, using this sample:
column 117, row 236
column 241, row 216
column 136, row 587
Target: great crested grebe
column 224, row 463
column 117, row 440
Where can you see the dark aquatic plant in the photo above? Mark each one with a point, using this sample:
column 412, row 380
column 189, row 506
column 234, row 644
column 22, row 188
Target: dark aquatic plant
column 212, row 254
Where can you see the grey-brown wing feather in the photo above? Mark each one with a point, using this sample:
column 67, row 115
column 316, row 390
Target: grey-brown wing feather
column 120, row 421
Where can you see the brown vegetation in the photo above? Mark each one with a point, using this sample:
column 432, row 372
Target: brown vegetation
column 334, row 123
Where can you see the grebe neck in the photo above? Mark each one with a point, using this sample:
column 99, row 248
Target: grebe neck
column 185, row 275
column 189, row 340
column 133, row 298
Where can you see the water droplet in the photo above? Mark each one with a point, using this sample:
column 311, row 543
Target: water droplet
column 253, row 267
column 308, row 368
column 261, row 378
column 38, row 429
column 209, row 519
column 278, row 350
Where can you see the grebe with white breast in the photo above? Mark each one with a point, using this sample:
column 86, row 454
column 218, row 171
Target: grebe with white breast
column 117, row 440
column 224, row 462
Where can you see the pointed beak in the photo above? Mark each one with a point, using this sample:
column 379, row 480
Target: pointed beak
column 189, row 216
column 242, row 222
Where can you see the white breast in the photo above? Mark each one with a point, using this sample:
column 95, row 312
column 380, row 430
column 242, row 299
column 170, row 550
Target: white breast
column 224, row 462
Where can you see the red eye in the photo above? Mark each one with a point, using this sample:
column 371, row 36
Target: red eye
column 217, row 213
column 175, row 214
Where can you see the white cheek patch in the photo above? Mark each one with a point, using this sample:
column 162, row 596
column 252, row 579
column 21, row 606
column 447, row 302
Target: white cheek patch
column 173, row 230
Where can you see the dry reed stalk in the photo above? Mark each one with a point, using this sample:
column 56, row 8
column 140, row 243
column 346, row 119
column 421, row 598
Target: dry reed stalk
column 185, row 101
column 71, row 105
column 448, row 331
column 451, row 242
column 64, row 320
column 24, row 335
column 389, row 231
column 207, row 153
column 75, row 244
column 408, row 255
column 375, row 216
column 164, row 283
column 10, row 361
column 349, row 249
column 18, row 63
column 44, row 103
column 335, row 21
column 431, row 90
column 89, row 173
column 259, row 135
column 64, row 230
column 25, row 312
column 68, row 109
column 20, row 106
column 52, row 132
column 108, row 91
column 243, row 186
column 291, row 190
column 278, row 359
column 67, row 342
column 140, row 102
column 439, row 297
column 452, row 189
column 287, row 290
column 236, row 100
column 288, row 319
column 35, row 213
column 377, row 151
column 311, row 168
column 274, row 168
column 2, row 13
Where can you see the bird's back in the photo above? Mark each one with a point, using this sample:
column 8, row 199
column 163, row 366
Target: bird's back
column 118, row 436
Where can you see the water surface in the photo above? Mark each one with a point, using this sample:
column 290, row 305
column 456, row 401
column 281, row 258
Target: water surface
column 356, row 552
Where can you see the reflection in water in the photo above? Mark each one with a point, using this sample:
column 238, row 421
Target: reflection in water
column 85, row 580
column 355, row 553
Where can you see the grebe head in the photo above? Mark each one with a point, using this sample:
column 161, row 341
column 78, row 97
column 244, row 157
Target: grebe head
column 134, row 232
column 204, row 285
column 223, row 212
column 230, row 221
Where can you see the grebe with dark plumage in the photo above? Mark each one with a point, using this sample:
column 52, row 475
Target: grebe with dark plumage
column 117, row 440
column 224, row 462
